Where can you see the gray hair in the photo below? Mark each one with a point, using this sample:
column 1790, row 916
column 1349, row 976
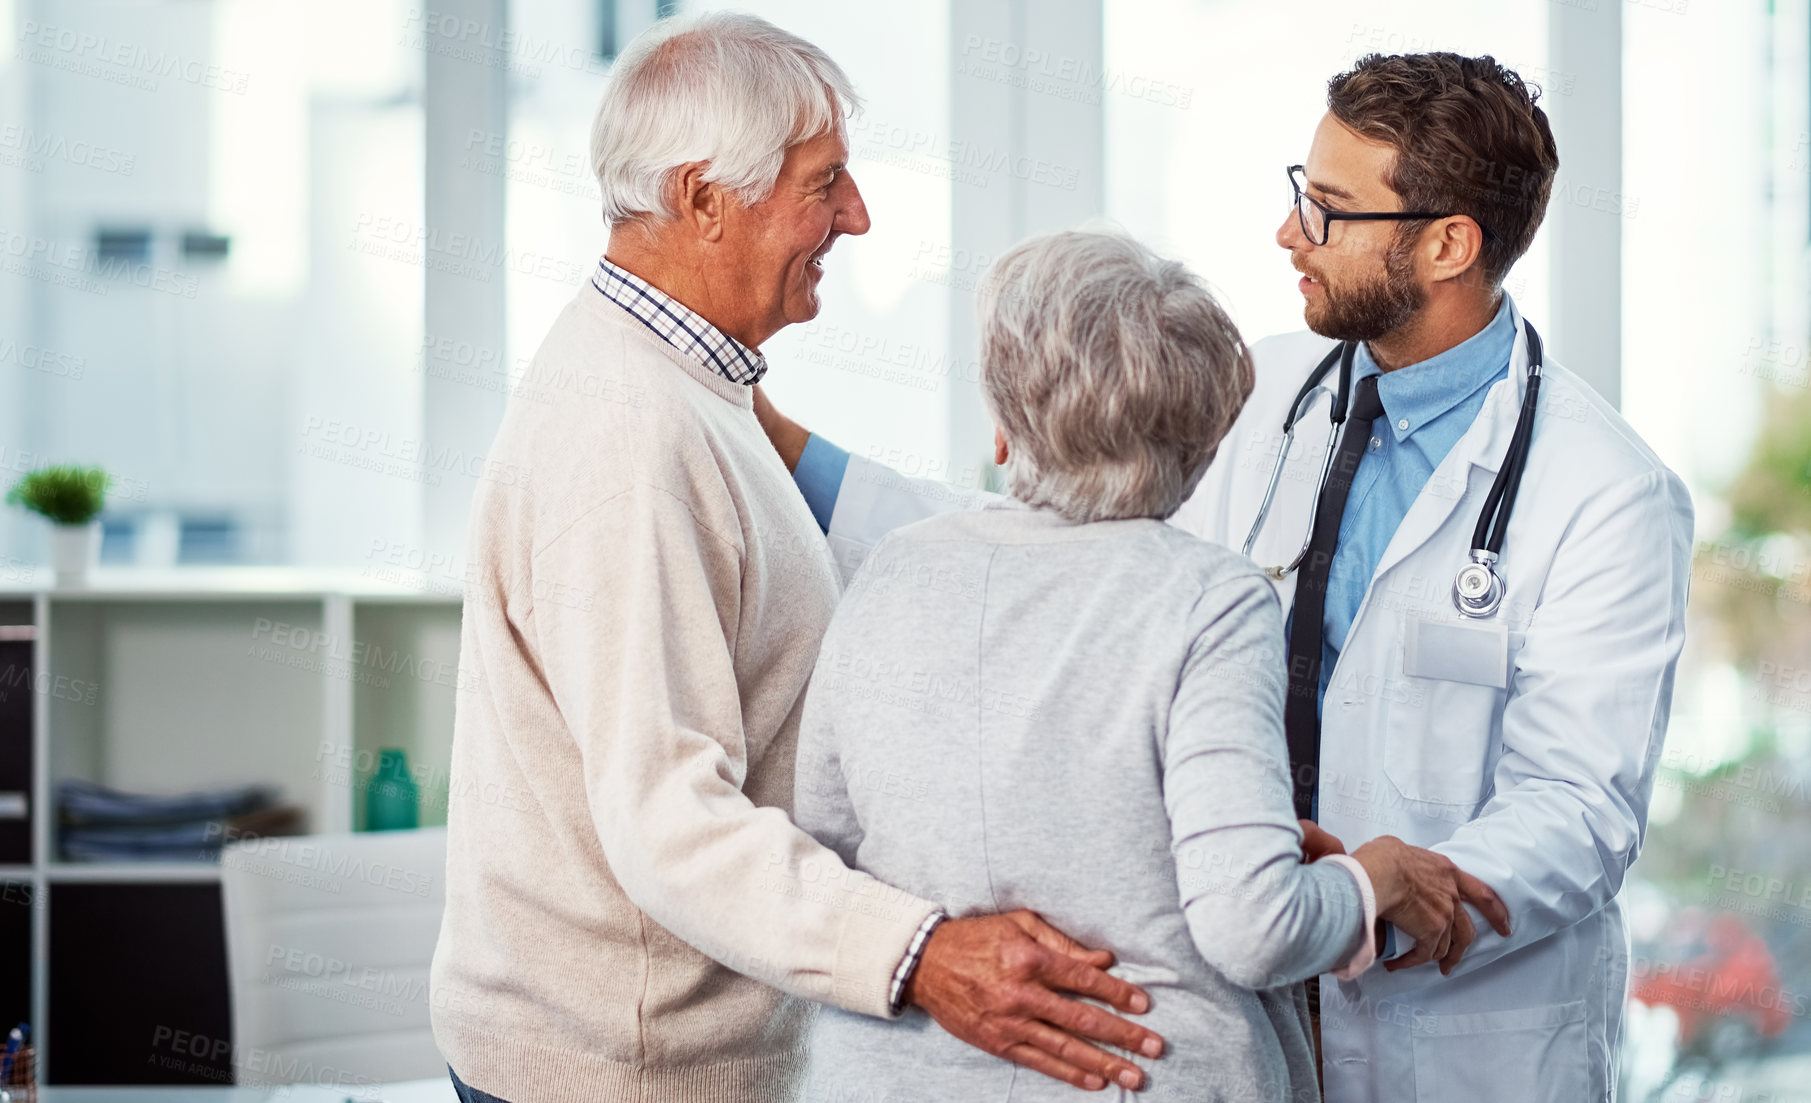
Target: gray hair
column 724, row 87
column 1112, row 373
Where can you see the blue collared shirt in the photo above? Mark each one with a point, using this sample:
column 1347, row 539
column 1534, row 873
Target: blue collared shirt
column 1427, row 407
column 679, row 325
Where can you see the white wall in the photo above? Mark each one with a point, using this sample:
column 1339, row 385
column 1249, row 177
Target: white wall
column 873, row 371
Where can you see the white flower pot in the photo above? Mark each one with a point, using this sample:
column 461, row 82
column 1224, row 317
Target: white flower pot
column 74, row 551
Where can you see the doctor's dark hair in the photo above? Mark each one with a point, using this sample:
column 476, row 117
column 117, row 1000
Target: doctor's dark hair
column 1468, row 138
column 1112, row 373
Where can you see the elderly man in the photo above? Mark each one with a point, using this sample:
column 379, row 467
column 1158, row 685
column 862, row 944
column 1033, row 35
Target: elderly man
column 644, row 622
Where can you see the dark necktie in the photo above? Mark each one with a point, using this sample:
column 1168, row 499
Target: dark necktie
column 1301, row 717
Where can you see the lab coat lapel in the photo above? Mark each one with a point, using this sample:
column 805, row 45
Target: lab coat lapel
column 1453, row 484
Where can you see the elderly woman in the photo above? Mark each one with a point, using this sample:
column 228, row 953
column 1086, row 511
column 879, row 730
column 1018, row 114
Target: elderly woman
column 1064, row 704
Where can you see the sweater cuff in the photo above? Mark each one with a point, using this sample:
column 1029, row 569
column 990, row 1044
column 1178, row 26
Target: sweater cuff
column 1366, row 953
column 874, row 945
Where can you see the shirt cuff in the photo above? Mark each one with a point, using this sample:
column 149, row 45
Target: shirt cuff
column 819, row 476
column 1366, row 953
column 909, row 964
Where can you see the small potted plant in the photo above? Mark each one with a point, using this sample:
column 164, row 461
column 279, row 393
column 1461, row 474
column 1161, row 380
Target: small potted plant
column 70, row 498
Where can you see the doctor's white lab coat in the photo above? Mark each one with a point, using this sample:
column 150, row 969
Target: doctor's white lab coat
column 1522, row 747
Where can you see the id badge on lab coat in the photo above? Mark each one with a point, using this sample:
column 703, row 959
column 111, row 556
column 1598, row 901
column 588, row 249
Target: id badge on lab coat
column 1473, row 652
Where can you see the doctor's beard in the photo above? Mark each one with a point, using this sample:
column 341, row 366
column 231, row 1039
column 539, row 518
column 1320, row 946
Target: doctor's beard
column 1374, row 308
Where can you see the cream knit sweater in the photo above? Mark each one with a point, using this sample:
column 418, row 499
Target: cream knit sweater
column 644, row 605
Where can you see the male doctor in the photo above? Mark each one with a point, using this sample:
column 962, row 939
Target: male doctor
column 1518, row 740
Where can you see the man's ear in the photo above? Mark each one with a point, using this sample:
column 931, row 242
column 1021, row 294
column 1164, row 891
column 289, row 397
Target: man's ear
column 1456, row 247
column 999, row 448
column 700, row 201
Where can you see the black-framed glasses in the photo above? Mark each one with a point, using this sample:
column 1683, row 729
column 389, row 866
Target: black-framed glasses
column 1317, row 221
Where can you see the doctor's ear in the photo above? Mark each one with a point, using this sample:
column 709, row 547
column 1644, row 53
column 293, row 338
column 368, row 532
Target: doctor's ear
column 1454, row 246
column 999, row 448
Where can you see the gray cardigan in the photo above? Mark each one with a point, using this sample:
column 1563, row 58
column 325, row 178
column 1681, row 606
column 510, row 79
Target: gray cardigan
column 1011, row 710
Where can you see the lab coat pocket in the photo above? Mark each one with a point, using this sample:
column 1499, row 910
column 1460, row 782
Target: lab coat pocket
column 1528, row 1053
column 1443, row 717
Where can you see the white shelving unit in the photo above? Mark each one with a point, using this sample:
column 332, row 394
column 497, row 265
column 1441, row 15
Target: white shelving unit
column 174, row 681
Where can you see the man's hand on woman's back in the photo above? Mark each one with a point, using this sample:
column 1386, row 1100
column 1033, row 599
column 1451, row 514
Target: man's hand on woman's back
column 994, row 982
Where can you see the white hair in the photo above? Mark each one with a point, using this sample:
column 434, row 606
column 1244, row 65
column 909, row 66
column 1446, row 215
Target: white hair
column 1112, row 373
column 727, row 88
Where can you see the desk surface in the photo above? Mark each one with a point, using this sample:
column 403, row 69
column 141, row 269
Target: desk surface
column 415, row 1091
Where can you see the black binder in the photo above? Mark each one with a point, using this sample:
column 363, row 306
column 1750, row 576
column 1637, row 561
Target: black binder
column 18, row 696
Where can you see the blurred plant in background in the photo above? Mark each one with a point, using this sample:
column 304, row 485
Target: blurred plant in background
column 64, row 494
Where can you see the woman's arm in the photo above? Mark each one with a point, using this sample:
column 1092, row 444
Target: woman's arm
column 1256, row 912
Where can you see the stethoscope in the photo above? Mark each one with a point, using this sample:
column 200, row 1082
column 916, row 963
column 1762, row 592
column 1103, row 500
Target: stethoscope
column 1477, row 588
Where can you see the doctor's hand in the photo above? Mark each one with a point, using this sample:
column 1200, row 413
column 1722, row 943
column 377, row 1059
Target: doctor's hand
column 787, row 435
column 993, row 981
column 1424, row 894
